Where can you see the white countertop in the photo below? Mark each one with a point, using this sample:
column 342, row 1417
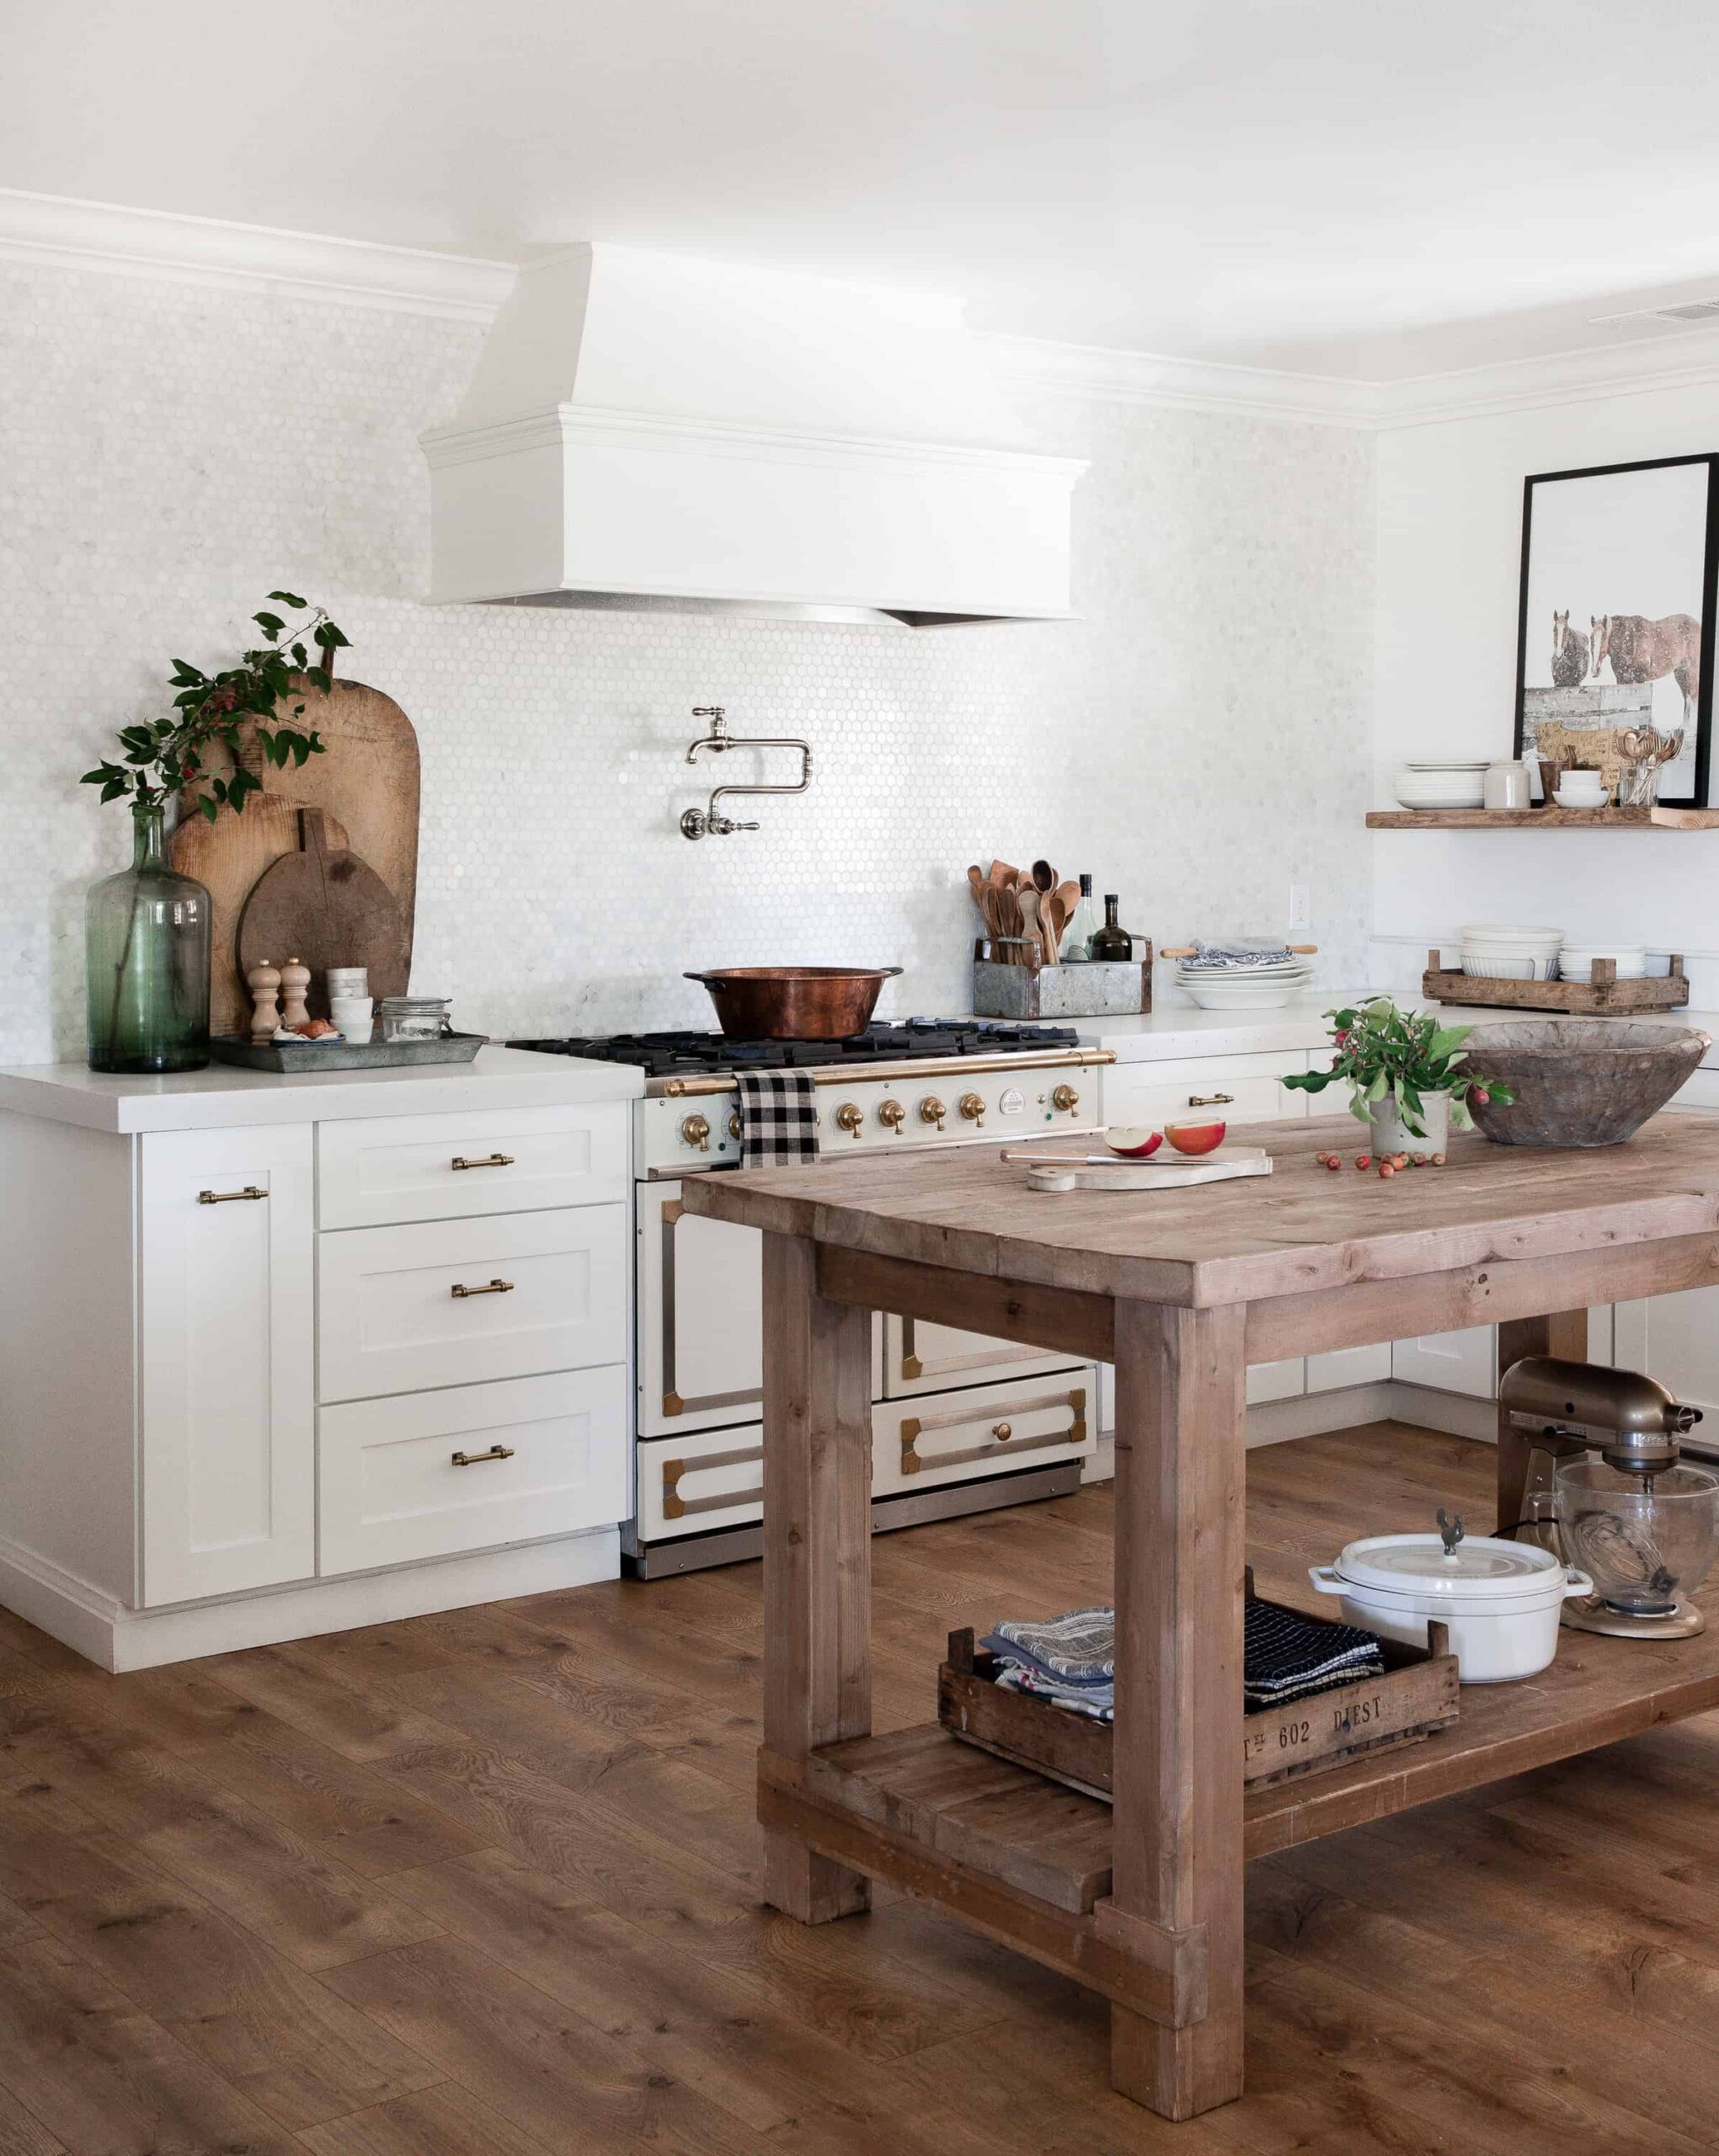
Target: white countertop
column 1184, row 1030
column 220, row 1096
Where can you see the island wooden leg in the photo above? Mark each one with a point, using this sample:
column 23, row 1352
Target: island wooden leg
column 1563, row 1333
column 817, row 1553
column 1181, row 1557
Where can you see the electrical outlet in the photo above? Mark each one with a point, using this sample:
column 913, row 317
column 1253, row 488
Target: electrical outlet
column 1300, row 908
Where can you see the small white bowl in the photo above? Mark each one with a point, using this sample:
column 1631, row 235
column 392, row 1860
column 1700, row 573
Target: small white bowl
column 1566, row 799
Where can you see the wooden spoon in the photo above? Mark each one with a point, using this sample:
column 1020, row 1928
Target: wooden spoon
column 1008, row 910
column 1002, row 874
column 976, row 884
column 1043, row 877
column 1034, row 929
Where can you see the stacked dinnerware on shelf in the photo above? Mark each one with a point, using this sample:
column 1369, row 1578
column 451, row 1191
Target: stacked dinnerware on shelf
column 1250, row 975
column 1576, row 960
column 1495, row 950
column 1430, row 785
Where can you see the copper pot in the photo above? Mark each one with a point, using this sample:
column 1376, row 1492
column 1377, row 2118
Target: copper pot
column 795, row 1003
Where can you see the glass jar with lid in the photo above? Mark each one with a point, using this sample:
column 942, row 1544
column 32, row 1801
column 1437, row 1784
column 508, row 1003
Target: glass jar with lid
column 416, row 1017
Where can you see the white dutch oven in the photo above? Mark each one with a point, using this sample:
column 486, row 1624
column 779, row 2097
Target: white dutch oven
column 1501, row 1600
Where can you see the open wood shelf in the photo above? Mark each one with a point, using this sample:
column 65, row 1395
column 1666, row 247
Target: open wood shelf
column 1027, row 1860
column 1554, row 819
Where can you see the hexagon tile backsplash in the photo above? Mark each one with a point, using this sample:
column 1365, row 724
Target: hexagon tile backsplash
column 1198, row 739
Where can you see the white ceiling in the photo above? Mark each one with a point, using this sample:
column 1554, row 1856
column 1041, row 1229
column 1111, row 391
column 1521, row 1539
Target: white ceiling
column 1370, row 188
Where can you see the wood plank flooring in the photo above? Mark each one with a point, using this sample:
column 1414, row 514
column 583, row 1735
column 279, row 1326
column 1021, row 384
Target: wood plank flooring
column 488, row 1884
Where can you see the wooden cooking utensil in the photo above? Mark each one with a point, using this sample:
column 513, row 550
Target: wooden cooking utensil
column 989, row 898
column 328, row 909
column 1002, row 873
column 975, row 884
column 1034, row 929
column 1044, row 877
column 1010, row 922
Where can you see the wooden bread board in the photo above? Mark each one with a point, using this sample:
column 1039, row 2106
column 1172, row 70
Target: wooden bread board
column 1048, row 1171
column 324, row 908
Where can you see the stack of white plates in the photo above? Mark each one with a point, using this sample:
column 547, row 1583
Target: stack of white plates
column 1494, row 951
column 1246, row 988
column 1576, row 960
column 1442, row 785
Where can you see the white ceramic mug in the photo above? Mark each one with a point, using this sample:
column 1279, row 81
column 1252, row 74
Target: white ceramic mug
column 353, row 1014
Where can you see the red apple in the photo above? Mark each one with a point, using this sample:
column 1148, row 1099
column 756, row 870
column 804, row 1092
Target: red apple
column 1195, row 1137
column 1135, row 1144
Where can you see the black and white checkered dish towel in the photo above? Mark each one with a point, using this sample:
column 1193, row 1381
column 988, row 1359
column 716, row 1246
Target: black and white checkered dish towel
column 778, row 1117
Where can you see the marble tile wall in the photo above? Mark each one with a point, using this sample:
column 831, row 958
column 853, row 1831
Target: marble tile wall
column 1198, row 739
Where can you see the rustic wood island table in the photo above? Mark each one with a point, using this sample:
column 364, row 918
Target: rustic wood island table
column 1181, row 1291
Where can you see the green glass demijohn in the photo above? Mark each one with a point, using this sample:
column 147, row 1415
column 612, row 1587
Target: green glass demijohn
column 146, row 959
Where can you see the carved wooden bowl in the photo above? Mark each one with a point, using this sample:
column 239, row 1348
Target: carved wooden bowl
column 1579, row 1081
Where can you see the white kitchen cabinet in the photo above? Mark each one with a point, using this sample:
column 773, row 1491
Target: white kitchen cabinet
column 1450, row 1361
column 1032, row 1422
column 226, row 1266
column 1232, row 1088
column 222, row 1425
column 1338, row 1367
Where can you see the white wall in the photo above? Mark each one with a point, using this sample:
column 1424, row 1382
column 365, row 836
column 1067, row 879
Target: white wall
column 1449, row 550
column 1199, row 740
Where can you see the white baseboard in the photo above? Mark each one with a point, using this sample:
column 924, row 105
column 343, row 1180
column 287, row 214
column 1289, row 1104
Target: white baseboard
column 121, row 1639
column 1310, row 1414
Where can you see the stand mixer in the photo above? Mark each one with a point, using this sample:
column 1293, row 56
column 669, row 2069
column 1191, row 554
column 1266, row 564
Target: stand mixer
column 1643, row 1524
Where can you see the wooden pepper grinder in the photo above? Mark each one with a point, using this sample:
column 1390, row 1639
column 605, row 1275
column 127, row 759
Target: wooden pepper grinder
column 294, row 984
column 263, row 980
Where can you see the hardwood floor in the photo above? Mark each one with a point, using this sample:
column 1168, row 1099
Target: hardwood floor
column 488, row 1884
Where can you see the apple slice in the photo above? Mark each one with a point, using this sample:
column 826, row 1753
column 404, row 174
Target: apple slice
column 1134, row 1144
column 1195, row 1137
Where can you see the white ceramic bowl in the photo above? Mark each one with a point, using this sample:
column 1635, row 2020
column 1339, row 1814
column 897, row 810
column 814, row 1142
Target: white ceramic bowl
column 1458, row 764
column 1502, row 1606
column 1565, row 799
column 1479, row 967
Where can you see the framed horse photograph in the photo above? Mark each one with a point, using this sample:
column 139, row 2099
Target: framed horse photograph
column 1615, row 632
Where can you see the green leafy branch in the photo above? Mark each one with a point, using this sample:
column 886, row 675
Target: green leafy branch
column 165, row 757
column 1405, row 1055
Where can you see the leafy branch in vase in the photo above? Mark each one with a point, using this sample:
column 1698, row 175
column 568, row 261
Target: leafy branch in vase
column 165, row 757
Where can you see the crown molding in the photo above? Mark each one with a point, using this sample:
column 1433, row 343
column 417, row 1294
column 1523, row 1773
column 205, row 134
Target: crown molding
column 55, row 231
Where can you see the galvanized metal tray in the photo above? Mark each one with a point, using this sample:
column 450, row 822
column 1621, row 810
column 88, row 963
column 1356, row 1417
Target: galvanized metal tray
column 293, row 1057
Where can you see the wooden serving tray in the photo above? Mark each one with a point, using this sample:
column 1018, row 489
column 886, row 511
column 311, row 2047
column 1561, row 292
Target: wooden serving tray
column 292, row 1058
column 1605, row 995
column 1417, row 1695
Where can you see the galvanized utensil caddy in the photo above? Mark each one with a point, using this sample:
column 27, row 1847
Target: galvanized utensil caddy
column 1021, row 985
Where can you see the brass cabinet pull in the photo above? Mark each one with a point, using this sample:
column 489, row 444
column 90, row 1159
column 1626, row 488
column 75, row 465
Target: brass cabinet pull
column 489, row 1161
column 477, row 1459
column 1211, row 1100
column 675, row 1507
column 1002, row 1432
column 229, row 1197
column 495, row 1288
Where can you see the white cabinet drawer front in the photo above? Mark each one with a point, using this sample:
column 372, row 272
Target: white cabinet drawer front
column 1450, row 1361
column 958, row 1437
column 709, row 1479
column 701, row 1318
column 408, row 1167
column 430, row 1474
column 920, row 1357
column 227, row 1262
column 401, row 1310
column 1235, row 1088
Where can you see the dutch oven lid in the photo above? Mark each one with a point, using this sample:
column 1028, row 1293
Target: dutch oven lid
column 1449, row 1563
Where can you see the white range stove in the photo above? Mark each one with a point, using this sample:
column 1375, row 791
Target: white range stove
column 960, row 1422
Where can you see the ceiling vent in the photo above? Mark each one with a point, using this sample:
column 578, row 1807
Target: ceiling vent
column 645, row 431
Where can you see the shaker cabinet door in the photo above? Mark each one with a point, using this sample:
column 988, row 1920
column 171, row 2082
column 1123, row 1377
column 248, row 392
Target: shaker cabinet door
column 229, row 1361
column 701, row 1318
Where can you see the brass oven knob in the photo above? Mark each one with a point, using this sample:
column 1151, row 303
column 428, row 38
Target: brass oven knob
column 695, row 1130
column 931, row 1110
column 734, row 1123
column 848, row 1118
column 892, row 1115
column 1064, row 1097
column 972, row 1107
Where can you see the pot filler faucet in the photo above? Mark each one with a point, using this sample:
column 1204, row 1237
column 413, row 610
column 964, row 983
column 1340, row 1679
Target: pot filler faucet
column 697, row 822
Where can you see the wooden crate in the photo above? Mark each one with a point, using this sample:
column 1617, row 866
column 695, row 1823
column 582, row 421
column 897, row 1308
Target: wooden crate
column 1605, row 996
column 1417, row 1695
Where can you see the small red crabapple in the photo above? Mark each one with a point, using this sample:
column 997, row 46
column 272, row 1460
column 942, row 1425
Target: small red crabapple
column 1437, row 1159
column 1364, row 1159
column 1387, row 1168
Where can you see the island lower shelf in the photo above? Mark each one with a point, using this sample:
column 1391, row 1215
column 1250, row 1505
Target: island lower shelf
column 1027, row 1861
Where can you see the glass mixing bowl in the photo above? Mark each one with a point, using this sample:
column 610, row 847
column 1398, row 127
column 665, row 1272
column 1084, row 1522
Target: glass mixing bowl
column 1643, row 1538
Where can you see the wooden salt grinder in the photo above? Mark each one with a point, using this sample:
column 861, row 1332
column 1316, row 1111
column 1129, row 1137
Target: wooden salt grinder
column 262, row 979
column 294, row 983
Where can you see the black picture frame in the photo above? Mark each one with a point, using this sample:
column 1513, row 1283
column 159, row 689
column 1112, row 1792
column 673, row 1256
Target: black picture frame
column 1702, row 718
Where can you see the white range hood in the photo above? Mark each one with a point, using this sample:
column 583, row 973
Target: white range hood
column 649, row 429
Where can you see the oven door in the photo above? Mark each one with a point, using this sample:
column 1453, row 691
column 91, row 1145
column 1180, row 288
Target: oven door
column 701, row 1318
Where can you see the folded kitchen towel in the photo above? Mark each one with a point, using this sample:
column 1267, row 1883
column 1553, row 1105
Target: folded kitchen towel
column 1288, row 1656
column 1078, row 1649
column 778, row 1117
column 1097, row 1701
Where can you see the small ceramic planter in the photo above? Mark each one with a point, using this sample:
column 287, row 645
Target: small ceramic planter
column 1391, row 1134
